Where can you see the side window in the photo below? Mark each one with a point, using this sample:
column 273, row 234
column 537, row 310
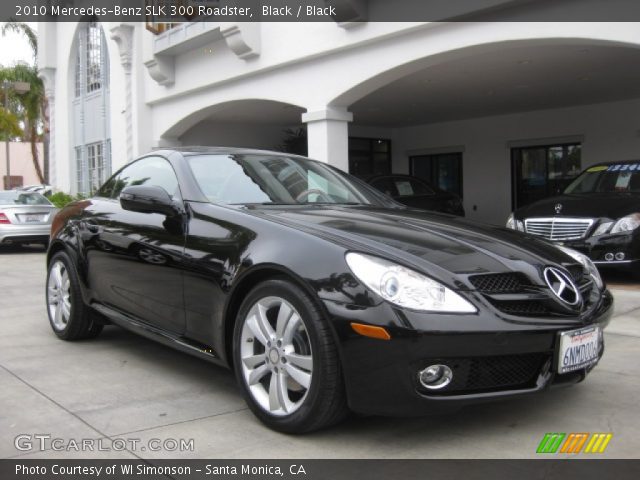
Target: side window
column 150, row 171
column 407, row 187
column 386, row 185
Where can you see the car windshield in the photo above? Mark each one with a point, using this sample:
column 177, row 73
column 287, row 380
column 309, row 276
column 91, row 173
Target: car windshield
column 16, row 197
column 618, row 178
column 275, row 179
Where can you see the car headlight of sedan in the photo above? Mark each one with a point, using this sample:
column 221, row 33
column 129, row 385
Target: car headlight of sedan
column 626, row 224
column 586, row 263
column 405, row 287
column 514, row 224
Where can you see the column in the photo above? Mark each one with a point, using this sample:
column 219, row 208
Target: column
column 328, row 135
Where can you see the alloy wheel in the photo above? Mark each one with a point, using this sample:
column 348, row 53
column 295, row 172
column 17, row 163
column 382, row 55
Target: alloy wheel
column 276, row 356
column 59, row 295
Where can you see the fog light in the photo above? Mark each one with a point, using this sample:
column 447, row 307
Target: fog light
column 620, row 256
column 608, row 257
column 435, row 377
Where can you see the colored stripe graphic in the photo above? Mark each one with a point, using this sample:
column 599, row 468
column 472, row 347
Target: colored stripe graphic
column 598, row 443
column 574, row 443
column 550, row 442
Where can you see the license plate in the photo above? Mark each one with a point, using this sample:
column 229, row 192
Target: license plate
column 32, row 218
column 578, row 349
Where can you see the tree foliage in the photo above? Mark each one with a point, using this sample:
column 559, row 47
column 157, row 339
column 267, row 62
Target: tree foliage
column 29, row 108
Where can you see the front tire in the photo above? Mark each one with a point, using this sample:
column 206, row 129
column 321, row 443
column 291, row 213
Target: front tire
column 286, row 361
column 69, row 317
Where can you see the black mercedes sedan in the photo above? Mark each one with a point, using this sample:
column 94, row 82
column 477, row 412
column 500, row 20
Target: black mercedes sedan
column 598, row 214
column 321, row 294
column 415, row 192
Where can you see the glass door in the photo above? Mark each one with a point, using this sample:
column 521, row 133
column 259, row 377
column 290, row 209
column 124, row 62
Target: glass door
column 542, row 171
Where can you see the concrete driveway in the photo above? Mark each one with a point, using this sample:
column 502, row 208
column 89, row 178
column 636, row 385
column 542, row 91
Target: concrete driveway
column 126, row 391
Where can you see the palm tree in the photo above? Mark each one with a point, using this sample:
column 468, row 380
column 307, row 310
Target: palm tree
column 9, row 122
column 30, row 108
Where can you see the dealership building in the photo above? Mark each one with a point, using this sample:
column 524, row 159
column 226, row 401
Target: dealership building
column 502, row 113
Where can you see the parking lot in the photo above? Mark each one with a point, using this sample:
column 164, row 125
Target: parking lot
column 121, row 386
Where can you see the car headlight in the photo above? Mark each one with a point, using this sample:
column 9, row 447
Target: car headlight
column 514, row 224
column 586, row 263
column 602, row 229
column 627, row 224
column 404, row 287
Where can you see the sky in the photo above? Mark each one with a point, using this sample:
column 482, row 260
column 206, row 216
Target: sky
column 15, row 48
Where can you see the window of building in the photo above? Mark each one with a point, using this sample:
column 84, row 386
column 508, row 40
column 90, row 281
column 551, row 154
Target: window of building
column 543, row 171
column 90, row 109
column 90, row 67
column 369, row 156
column 94, row 57
column 78, row 81
column 443, row 170
column 92, row 166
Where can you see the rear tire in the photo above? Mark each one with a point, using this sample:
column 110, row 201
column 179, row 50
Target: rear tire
column 68, row 315
column 286, row 361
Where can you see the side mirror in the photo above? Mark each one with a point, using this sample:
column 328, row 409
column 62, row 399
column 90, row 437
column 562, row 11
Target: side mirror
column 147, row 199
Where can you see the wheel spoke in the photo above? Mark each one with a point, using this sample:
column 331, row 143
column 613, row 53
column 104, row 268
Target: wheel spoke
column 53, row 293
column 284, row 315
column 252, row 323
column 263, row 321
column 66, row 309
column 278, row 393
column 57, row 275
column 303, row 361
column 301, row 377
column 258, row 373
column 254, row 360
column 290, row 330
column 58, row 314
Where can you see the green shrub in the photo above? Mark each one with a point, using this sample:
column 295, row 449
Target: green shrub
column 60, row 199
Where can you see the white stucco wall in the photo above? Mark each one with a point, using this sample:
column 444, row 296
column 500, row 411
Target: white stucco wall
column 608, row 132
column 268, row 137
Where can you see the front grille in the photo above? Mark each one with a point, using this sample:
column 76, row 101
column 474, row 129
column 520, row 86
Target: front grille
column 478, row 374
column 522, row 308
column 500, row 282
column 558, row 229
column 513, row 293
column 577, row 273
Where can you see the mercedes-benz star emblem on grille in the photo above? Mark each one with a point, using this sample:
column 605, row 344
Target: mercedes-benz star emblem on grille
column 563, row 287
column 558, row 208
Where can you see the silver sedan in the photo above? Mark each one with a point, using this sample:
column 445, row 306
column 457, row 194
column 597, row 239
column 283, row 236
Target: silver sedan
column 25, row 217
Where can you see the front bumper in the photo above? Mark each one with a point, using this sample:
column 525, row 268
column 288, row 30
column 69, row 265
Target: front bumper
column 619, row 250
column 492, row 357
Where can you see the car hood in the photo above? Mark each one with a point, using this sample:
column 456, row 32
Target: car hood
column 597, row 205
column 426, row 240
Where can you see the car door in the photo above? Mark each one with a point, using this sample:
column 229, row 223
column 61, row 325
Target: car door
column 135, row 259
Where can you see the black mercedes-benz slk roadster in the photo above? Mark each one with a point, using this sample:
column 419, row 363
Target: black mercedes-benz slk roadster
column 322, row 294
